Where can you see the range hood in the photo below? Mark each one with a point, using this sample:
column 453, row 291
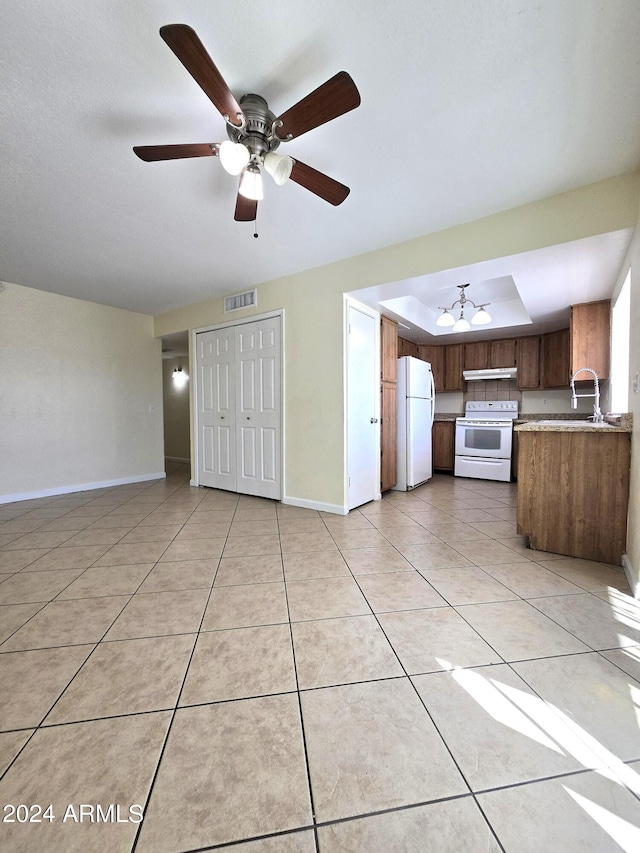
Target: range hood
column 490, row 373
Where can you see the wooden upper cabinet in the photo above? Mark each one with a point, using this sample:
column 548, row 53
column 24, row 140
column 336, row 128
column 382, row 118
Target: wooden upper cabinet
column 388, row 435
column 388, row 350
column 453, row 367
column 528, row 362
column 590, row 338
column 555, row 359
column 406, row 347
column 388, row 402
column 476, row 355
column 502, row 353
column 436, row 357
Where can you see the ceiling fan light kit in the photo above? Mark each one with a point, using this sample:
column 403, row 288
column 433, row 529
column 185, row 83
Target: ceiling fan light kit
column 480, row 318
column 251, row 183
column 278, row 166
column 234, row 156
column 254, row 131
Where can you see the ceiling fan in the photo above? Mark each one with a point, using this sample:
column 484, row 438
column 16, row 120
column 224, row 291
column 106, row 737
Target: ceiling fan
column 254, row 131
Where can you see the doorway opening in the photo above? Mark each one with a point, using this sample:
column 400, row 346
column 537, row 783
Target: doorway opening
column 176, row 407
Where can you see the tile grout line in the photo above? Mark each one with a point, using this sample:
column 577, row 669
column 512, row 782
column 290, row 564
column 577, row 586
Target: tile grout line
column 299, row 698
column 176, row 706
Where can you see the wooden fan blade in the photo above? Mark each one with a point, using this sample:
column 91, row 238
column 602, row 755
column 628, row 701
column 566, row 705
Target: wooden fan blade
column 246, row 209
column 337, row 96
column 320, row 184
column 149, row 153
column 186, row 45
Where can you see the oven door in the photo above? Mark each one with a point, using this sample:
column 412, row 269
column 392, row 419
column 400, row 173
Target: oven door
column 484, row 439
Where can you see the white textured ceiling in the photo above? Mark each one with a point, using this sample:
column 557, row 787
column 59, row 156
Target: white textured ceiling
column 480, row 105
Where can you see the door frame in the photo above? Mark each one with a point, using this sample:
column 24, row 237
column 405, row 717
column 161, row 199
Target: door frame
column 193, row 367
column 350, row 302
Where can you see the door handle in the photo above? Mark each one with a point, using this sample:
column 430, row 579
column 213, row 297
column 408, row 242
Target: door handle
column 374, row 420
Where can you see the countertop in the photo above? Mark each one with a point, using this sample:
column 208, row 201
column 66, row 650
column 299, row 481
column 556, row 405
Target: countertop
column 533, row 422
column 619, row 423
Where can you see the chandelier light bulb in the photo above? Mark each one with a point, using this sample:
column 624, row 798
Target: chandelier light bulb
column 461, row 325
column 445, row 319
column 481, row 317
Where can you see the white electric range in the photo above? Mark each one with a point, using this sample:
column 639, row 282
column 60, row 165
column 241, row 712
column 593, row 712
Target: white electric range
column 484, row 439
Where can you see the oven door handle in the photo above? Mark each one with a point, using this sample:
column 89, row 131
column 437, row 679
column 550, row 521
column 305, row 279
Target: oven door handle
column 482, row 460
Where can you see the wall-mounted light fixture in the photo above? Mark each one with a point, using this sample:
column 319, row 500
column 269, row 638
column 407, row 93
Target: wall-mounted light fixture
column 179, row 377
column 480, row 318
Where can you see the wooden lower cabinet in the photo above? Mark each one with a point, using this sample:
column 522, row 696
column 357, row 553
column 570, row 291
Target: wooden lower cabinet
column 514, row 456
column 443, row 444
column 573, row 492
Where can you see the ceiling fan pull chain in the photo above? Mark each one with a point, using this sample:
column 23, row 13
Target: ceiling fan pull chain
column 255, row 224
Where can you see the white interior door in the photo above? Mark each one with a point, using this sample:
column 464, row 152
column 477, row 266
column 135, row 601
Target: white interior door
column 216, row 409
column 363, row 406
column 258, row 356
column 238, row 402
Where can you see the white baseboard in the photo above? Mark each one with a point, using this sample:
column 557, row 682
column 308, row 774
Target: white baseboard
column 317, row 505
column 80, row 487
column 632, row 576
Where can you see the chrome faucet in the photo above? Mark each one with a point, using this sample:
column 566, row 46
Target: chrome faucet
column 597, row 415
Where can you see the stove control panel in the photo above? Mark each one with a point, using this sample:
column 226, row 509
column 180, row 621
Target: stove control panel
column 508, row 407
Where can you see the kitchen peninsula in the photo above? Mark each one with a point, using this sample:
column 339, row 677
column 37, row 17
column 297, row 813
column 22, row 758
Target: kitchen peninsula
column 573, row 487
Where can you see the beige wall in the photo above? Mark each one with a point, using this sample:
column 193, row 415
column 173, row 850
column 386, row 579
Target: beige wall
column 176, row 410
column 313, row 311
column 77, row 381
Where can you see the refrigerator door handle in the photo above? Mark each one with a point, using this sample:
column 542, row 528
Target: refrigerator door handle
column 433, row 397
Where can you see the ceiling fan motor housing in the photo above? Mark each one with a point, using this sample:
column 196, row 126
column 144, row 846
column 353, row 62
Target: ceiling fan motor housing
column 257, row 130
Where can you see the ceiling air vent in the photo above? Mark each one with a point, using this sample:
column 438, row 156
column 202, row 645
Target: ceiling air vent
column 240, row 300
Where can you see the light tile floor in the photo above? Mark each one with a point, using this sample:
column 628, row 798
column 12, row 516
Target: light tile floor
column 267, row 679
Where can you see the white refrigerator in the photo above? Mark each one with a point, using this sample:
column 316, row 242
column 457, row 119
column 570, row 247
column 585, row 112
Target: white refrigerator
column 416, row 405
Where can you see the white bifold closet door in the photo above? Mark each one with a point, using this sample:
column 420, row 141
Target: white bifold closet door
column 239, row 408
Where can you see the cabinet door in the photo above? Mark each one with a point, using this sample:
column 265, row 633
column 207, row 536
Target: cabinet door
column 443, row 444
column 555, row 357
column 453, row 367
column 388, row 436
column 435, row 356
column 514, row 455
column 590, row 334
column 476, row 355
column 388, row 350
column 503, row 353
column 406, row 347
column 528, row 362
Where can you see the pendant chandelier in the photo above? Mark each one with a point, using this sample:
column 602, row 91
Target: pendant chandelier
column 480, row 318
